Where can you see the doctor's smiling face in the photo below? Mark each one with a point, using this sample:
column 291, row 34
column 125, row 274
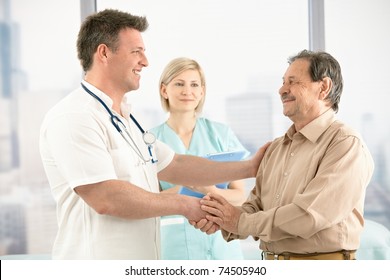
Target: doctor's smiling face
column 125, row 63
column 184, row 92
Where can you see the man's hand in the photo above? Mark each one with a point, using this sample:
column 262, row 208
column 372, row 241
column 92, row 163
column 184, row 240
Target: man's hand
column 221, row 212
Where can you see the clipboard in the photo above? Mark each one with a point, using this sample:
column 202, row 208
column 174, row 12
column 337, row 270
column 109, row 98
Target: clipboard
column 227, row 156
column 187, row 191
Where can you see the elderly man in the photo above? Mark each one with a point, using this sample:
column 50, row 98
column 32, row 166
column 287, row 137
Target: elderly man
column 310, row 187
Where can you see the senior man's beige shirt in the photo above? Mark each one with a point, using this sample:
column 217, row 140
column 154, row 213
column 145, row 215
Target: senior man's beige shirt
column 310, row 190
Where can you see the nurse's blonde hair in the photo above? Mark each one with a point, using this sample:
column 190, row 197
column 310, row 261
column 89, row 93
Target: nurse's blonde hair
column 174, row 68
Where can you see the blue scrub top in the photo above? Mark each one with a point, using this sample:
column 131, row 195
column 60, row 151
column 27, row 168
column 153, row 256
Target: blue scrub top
column 180, row 240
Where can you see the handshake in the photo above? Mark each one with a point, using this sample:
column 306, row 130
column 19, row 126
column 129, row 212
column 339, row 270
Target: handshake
column 215, row 213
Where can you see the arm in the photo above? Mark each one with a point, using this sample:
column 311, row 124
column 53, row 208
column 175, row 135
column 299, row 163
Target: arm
column 341, row 177
column 79, row 150
column 122, row 199
column 174, row 189
column 196, row 171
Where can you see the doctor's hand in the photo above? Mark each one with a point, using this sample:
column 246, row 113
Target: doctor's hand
column 206, row 226
column 221, row 212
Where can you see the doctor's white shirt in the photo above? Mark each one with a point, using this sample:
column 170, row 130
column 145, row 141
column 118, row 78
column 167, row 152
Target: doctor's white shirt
column 79, row 145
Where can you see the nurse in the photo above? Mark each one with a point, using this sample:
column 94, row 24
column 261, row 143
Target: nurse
column 182, row 90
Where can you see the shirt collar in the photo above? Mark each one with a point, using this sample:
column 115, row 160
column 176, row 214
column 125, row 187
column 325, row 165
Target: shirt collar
column 125, row 105
column 313, row 130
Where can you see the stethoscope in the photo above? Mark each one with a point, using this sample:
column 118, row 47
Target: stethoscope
column 148, row 137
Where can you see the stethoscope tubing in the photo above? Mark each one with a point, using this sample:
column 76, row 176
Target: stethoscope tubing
column 148, row 137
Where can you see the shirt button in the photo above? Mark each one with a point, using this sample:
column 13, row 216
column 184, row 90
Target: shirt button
column 277, row 196
column 285, row 174
column 292, row 154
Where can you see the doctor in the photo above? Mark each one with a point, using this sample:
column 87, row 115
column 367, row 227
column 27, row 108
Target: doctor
column 103, row 168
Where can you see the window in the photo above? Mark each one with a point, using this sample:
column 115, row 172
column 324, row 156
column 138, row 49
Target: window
column 359, row 40
column 243, row 48
column 39, row 65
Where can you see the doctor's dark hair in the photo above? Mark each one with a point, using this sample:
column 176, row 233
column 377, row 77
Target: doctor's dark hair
column 103, row 28
column 174, row 68
column 324, row 65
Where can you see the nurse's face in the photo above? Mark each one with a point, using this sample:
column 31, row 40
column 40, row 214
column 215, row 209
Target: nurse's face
column 184, row 92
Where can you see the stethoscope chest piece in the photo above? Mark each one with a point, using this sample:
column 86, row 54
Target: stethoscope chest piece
column 147, row 136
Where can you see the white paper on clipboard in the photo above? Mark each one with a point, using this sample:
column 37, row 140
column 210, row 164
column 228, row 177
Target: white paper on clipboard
column 227, row 156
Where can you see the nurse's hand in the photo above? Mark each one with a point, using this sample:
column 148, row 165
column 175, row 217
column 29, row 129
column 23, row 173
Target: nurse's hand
column 203, row 190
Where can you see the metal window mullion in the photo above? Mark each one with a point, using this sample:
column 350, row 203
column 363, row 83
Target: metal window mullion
column 87, row 7
column 316, row 25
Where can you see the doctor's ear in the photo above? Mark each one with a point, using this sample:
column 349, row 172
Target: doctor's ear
column 102, row 51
